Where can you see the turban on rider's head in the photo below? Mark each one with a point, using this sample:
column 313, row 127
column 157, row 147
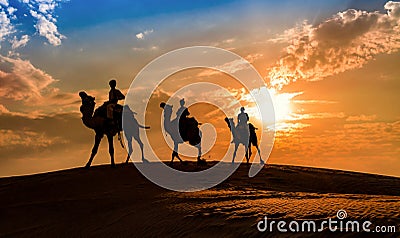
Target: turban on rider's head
column 82, row 94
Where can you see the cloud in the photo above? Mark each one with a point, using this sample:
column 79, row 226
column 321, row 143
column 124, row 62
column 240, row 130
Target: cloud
column 229, row 41
column 317, row 115
column 24, row 137
column 4, row 3
column 355, row 146
column 31, row 115
column 346, row 41
column 3, row 109
column 361, row 118
column 253, row 57
column 45, row 21
column 46, row 27
column 6, row 28
column 46, row 6
column 141, row 35
column 230, row 67
column 303, row 102
column 9, row 138
column 138, row 49
column 15, row 43
column 21, row 81
column 11, row 11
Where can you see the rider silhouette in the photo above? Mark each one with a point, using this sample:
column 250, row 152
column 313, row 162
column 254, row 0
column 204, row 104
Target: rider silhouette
column 243, row 117
column 113, row 96
column 182, row 111
column 182, row 115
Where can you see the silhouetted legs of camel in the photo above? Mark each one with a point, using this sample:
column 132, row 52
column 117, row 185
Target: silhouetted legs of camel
column 258, row 149
column 97, row 140
column 175, row 154
column 130, row 148
column 235, row 151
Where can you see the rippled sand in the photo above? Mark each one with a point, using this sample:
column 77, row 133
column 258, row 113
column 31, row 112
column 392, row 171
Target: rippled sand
column 109, row 202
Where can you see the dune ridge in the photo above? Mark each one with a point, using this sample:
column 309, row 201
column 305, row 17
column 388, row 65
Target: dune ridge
column 109, row 202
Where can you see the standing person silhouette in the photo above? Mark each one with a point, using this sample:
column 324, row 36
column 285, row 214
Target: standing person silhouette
column 113, row 96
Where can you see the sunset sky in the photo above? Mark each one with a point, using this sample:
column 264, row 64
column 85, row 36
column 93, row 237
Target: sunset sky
column 332, row 68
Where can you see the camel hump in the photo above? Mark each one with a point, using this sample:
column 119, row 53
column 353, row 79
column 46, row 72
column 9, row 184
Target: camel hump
column 189, row 131
column 242, row 132
column 192, row 121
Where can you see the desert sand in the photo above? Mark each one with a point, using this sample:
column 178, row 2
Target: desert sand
column 120, row 202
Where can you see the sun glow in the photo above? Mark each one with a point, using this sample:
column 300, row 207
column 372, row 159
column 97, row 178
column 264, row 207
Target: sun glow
column 282, row 105
column 282, row 102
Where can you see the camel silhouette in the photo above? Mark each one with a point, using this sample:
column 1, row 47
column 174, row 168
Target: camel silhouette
column 244, row 134
column 97, row 121
column 182, row 129
column 131, row 131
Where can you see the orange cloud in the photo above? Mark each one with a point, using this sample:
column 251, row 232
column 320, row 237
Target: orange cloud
column 361, row 146
column 21, row 81
column 346, row 41
column 361, row 118
column 26, row 138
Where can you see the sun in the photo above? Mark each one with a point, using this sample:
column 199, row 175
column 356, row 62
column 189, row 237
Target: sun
column 282, row 104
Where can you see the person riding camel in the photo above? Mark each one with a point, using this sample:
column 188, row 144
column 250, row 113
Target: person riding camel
column 243, row 126
column 184, row 123
column 113, row 96
column 243, row 117
column 182, row 110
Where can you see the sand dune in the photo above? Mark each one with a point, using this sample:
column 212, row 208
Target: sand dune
column 107, row 202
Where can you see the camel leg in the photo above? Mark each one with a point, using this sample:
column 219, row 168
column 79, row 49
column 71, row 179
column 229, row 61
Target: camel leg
column 247, row 147
column 199, row 152
column 250, row 152
column 234, row 152
column 172, row 158
column 110, row 139
column 97, row 140
column 175, row 153
column 199, row 160
column 139, row 141
column 130, row 149
column 259, row 153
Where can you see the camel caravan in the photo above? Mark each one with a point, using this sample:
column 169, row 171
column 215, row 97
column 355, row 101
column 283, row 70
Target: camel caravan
column 107, row 120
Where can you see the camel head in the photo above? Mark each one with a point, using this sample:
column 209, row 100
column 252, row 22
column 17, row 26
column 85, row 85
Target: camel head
column 167, row 109
column 88, row 104
column 230, row 123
